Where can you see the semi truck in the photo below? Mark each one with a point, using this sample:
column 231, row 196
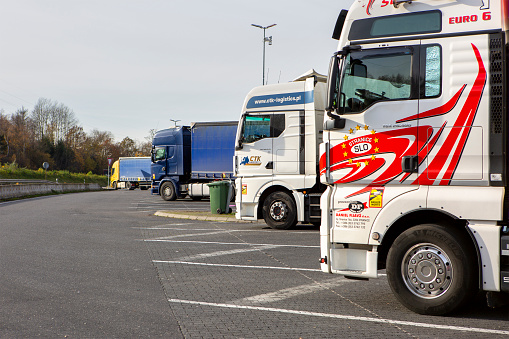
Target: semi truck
column 131, row 173
column 414, row 152
column 276, row 152
column 186, row 158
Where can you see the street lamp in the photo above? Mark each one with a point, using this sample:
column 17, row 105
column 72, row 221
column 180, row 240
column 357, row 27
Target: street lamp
column 265, row 39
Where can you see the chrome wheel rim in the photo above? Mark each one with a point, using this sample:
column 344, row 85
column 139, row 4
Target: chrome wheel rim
column 427, row 271
column 278, row 211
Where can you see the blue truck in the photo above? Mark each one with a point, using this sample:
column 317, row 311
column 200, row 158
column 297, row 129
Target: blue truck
column 186, row 158
column 130, row 173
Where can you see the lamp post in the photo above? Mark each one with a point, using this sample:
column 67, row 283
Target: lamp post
column 265, row 39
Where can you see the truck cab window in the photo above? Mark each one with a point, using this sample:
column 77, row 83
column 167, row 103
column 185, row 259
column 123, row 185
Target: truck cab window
column 433, row 71
column 257, row 127
column 369, row 77
column 159, row 154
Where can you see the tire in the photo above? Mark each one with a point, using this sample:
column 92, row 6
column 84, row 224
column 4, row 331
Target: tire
column 114, row 185
column 168, row 191
column 129, row 186
column 279, row 211
column 432, row 269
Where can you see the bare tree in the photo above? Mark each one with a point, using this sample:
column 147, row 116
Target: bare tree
column 52, row 120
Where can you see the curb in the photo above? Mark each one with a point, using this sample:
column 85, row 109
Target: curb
column 168, row 214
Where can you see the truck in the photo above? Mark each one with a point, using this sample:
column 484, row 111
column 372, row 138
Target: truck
column 186, row 158
column 131, row 173
column 276, row 152
column 414, row 151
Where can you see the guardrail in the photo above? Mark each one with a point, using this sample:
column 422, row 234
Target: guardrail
column 16, row 191
column 24, row 181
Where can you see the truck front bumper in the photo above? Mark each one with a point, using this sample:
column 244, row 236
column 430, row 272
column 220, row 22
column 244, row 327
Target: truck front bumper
column 246, row 211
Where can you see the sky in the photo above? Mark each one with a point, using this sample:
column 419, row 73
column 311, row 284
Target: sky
column 130, row 66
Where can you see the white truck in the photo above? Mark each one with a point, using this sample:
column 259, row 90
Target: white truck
column 276, row 152
column 414, row 151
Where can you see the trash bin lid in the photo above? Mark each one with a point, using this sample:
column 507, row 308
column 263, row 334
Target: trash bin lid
column 218, row 183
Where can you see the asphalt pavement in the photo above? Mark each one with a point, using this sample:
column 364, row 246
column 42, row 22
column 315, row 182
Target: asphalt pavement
column 102, row 265
column 72, row 266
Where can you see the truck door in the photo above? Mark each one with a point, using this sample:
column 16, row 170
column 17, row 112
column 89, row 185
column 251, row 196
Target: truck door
column 287, row 143
column 254, row 157
column 373, row 158
column 163, row 161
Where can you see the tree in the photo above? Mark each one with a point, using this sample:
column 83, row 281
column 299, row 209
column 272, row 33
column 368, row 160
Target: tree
column 52, row 119
column 128, row 147
column 21, row 137
column 4, row 141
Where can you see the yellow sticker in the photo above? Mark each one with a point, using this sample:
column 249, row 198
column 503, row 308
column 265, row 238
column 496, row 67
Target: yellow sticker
column 244, row 189
column 375, row 198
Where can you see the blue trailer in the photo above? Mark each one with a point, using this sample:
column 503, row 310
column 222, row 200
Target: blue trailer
column 131, row 172
column 185, row 159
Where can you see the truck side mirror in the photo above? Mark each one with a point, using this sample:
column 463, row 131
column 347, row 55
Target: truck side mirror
column 336, row 123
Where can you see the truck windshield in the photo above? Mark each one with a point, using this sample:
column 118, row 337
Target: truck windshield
column 369, row 77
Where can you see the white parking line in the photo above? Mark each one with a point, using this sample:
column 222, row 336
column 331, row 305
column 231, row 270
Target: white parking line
column 291, row 292
column 220, row 253
column 345, row 317
column 192, row 235
column 235, row 266
column 228, row 243
column 164, row 227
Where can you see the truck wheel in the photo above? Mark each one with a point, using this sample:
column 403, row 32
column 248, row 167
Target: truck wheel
column 114, row 185
column 432, row 269
column 129, row 186
column 168, row 191
column 279, row 211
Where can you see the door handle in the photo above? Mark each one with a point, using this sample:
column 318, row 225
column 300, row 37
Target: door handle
column 270, row 165
column 410, row 163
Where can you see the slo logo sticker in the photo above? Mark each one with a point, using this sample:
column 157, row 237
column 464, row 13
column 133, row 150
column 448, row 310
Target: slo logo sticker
column 376, row 197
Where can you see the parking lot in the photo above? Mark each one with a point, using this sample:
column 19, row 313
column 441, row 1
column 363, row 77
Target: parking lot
column 101, row 264
column 246, row 280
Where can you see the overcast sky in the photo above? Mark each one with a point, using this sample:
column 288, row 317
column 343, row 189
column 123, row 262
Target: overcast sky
column 129, row 66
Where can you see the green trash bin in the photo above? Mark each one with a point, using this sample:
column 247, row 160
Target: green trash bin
column 219, row 196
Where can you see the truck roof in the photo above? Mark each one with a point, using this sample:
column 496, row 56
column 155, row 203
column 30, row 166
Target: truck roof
column 380, row 20
column 171, row 136
column 214, row 123
column 133, row 158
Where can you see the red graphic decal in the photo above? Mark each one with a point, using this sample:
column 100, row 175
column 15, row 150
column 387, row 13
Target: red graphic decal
column 369, row 7
column 437, row 111
column 400, row 142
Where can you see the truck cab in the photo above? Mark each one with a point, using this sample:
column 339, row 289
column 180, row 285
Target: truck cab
column 276, row 152
column 414, row 154
column 171, row 162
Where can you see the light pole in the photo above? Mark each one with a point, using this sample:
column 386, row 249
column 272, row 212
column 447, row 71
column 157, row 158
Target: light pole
column 265, row 39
